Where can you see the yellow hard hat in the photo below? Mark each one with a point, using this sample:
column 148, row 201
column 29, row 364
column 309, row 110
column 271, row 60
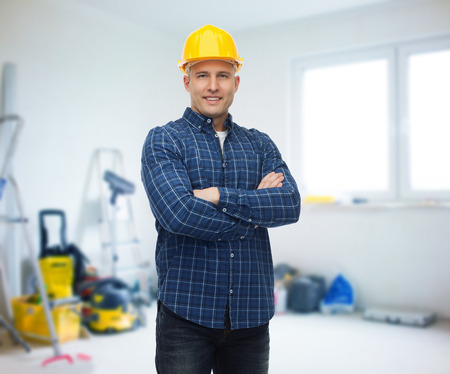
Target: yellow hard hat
column 209, row 43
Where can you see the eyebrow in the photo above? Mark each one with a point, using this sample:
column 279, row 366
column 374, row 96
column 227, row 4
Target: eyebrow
column 208, row 72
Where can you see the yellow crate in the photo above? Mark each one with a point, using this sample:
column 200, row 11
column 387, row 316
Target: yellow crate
column 30, row 321
column 57, row 272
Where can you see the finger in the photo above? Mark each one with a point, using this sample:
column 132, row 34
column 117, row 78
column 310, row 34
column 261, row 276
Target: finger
column 272, row 177
column 267, row 177
column 265, row 180
column 271, row 180
column 275, row 180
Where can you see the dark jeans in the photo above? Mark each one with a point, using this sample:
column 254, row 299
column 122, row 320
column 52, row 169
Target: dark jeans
column 183, row 347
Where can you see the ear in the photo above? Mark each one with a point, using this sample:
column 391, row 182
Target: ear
column 237, row 80
column 186, row 83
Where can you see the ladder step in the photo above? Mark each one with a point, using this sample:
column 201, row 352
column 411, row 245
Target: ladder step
column 130, row 269
column 7, row 219
column 128, row 242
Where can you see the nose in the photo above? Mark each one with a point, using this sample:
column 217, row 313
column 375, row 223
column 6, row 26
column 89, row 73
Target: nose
column 213, row 84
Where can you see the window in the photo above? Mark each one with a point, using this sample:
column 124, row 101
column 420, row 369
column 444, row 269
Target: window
column 374, row 124
column 426, row 94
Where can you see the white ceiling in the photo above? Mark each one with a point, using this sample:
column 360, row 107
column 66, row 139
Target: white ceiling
column 180, row 17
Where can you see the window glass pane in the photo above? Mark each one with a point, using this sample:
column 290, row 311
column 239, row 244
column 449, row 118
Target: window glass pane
column 345, row 128
column 429, row 120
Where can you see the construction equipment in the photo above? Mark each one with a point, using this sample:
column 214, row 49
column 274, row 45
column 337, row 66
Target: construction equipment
column 30, row 320
column 209, row 43
column 14, row 334
column 63, row 264
column 6, row 178
column 4, row 290
column 113, row 307
column 3, row 322
column 416, row 318
column 11, row 236
column 118, row 186
column 7, row 219
column 118, row 230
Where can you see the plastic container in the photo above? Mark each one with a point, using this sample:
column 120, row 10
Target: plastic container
column 31, row 324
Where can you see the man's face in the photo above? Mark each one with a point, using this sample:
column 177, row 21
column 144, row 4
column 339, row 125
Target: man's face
column 212, row 85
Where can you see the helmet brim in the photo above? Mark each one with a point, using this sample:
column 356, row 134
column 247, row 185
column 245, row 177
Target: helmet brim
column 182, row 65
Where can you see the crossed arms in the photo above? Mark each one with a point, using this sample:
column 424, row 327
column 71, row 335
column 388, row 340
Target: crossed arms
column 212, row 194
column 214, row 213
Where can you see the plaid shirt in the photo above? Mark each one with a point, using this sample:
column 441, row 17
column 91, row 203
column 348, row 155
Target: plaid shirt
column 210, row 258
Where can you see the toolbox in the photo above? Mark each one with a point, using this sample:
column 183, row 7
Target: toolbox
column 400, row 317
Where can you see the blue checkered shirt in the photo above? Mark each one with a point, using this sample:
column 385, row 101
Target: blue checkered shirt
column 212, row 258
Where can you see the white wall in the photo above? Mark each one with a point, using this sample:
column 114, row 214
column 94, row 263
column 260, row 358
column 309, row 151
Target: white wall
column 394, row 257
column 84, row 80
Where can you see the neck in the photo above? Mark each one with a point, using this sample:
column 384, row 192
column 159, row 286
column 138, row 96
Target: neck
column 219, row 126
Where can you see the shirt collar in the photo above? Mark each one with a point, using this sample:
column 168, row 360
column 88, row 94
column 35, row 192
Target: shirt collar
column 201, row 122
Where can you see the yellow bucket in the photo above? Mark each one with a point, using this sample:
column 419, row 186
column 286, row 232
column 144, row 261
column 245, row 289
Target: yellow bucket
column 31, row 324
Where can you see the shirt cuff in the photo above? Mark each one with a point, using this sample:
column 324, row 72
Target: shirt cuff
column 240, row 231
column 235, row 204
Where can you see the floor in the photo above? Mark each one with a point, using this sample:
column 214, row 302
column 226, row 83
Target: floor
column 300, row 343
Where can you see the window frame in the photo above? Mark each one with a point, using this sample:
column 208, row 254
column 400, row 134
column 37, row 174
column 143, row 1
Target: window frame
column 405, row 50
column 396, row 55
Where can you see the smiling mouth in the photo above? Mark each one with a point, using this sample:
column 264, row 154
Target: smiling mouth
column 212, row 99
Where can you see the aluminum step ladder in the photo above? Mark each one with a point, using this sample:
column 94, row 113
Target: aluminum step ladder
column 117, row 225
column 7, row 179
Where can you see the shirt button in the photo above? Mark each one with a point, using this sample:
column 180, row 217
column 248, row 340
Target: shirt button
column 242, row 237
column 208, row 120
column 217, row 135
column 224, row 210
column 199, row 127
column 231, row 291
column 249, row 220
column 232, row 255
column 219, row 239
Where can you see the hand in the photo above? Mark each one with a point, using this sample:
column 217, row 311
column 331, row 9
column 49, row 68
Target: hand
column 271, row 180
column 210, row 194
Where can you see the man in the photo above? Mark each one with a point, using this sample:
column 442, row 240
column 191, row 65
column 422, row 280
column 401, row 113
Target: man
column 214, row 188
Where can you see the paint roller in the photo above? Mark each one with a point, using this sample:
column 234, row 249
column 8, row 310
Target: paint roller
column 118, row 185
